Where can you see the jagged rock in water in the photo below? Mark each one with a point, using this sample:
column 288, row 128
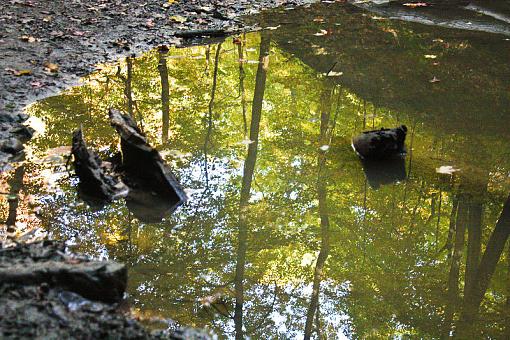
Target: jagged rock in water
column 146, row 172
column 381, row 144
column 95, row 187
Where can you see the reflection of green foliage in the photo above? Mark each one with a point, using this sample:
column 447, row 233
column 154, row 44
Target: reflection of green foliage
column 385, row 275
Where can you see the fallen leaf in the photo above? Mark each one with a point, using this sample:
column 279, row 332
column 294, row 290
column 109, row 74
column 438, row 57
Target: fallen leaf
column 334, row 74
column 321, row 33
column 416, row 4
column 28, row 38
column 446, row 169
column 78, row 33
column 19, row 72
column 178, row 18
column 50, row 67
column 434, row 80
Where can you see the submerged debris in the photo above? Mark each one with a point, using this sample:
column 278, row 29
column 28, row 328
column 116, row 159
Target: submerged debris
column 381, row 144
column 154, row 189
column 95, row 187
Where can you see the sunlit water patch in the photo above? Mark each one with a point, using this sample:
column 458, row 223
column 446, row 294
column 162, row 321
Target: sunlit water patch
column 283, row 234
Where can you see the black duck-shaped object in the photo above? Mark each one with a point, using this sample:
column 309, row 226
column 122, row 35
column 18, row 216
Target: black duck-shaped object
column 380, row 144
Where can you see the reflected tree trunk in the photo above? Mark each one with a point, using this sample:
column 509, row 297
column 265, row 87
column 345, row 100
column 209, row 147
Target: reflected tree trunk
column 165, row 95
column 451, row 229
column 242, row 91
column 248, row 171
column 128, row 89
column 490, row 258
column 452, row 300
column 15, row 183
column 506, row 310
column 324, row 139
column 474, row 239
column 210, row 114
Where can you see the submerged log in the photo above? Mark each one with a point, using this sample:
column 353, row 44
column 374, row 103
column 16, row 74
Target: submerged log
column 380, row 144
column 95, row 187
column 144, row 167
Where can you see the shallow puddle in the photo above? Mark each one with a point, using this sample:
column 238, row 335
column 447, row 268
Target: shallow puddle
column 285, row 232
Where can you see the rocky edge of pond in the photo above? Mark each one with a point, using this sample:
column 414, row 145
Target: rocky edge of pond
column 50, row 294
column 45, row 46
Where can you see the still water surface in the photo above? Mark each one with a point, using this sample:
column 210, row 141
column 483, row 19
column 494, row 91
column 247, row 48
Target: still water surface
column 285, row 233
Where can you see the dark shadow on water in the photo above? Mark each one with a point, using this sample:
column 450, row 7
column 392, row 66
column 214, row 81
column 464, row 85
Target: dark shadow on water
column 383, row 172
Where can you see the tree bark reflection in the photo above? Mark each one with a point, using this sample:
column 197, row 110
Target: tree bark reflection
column 324, row 139
column 165, row 95
column 128, row 91
column 474, row 296
column 16, row 183
column 210, row 115
column 248, row 171
column 452, row 300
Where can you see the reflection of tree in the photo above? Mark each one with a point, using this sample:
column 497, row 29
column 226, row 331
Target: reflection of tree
column 452, row 300
column 326, row 130
column 242, row 76
column 506, row 310
column 474, row 296
column 128, row 89
column 467, row 213
column 210, row 114
column 16, row 183
column 165, row 95
column 248, row 171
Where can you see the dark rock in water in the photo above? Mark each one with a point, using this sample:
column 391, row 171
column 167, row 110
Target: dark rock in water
column 23, row 132
column 381, row 144
column 95, row 187
column 381, row 172
column 11, row 146
column 144, row 168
